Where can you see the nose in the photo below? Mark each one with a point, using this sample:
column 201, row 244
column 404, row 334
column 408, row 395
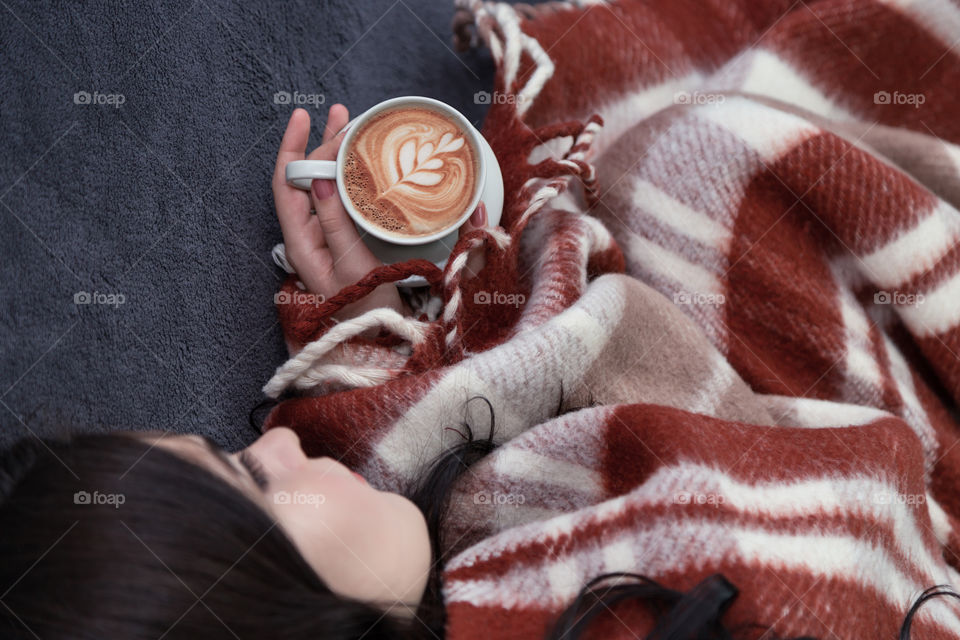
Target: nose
column 279, row 450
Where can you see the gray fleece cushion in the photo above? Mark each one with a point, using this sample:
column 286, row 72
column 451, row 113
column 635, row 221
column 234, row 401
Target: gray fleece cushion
column 137, row 220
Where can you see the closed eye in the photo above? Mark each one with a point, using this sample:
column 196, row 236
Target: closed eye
column 254, row 468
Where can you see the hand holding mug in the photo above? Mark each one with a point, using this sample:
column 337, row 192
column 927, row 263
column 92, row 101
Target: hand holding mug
column 325, row 248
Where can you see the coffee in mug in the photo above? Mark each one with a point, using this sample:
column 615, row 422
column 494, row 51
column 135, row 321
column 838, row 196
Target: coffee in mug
column 411, row 170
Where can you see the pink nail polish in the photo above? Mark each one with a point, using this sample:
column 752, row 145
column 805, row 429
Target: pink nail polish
column 479, row 216
column 323, row 189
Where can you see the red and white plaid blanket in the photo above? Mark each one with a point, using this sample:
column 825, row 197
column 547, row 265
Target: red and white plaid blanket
column 718, row 325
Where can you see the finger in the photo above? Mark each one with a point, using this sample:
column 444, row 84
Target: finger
column 293, row 205
column 293, row 146
column 338, row 229
column 477, row 220
column 337, row 117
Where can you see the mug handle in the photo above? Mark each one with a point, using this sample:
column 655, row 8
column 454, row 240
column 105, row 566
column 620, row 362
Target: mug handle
column 301, row 173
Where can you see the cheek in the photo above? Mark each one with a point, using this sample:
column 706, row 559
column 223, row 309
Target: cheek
column 333, row 510
column 362, row 542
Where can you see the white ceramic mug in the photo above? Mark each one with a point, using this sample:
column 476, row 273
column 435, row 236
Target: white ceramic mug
column 301, row 173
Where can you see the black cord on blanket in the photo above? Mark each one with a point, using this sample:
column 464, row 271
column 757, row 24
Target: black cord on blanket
column 929, row 594
column 700, row 609
column 257, row 425
column 692, row 615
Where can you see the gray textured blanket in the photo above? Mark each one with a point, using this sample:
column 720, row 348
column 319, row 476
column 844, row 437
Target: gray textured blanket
column 137, row 288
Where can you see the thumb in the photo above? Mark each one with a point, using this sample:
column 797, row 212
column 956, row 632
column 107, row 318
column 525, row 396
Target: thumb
column 339, row 231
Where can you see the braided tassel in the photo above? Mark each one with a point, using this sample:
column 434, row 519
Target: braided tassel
column 452, row 318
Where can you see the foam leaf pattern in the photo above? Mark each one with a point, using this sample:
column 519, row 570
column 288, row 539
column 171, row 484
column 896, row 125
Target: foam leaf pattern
column 420, row 165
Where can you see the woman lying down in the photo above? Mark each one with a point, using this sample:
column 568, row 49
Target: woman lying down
column 154, row 535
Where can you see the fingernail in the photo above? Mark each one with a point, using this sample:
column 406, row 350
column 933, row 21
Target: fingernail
column 323, row 189
column 479, row 217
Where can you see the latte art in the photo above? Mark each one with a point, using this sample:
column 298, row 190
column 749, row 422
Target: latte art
column 411, row 171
